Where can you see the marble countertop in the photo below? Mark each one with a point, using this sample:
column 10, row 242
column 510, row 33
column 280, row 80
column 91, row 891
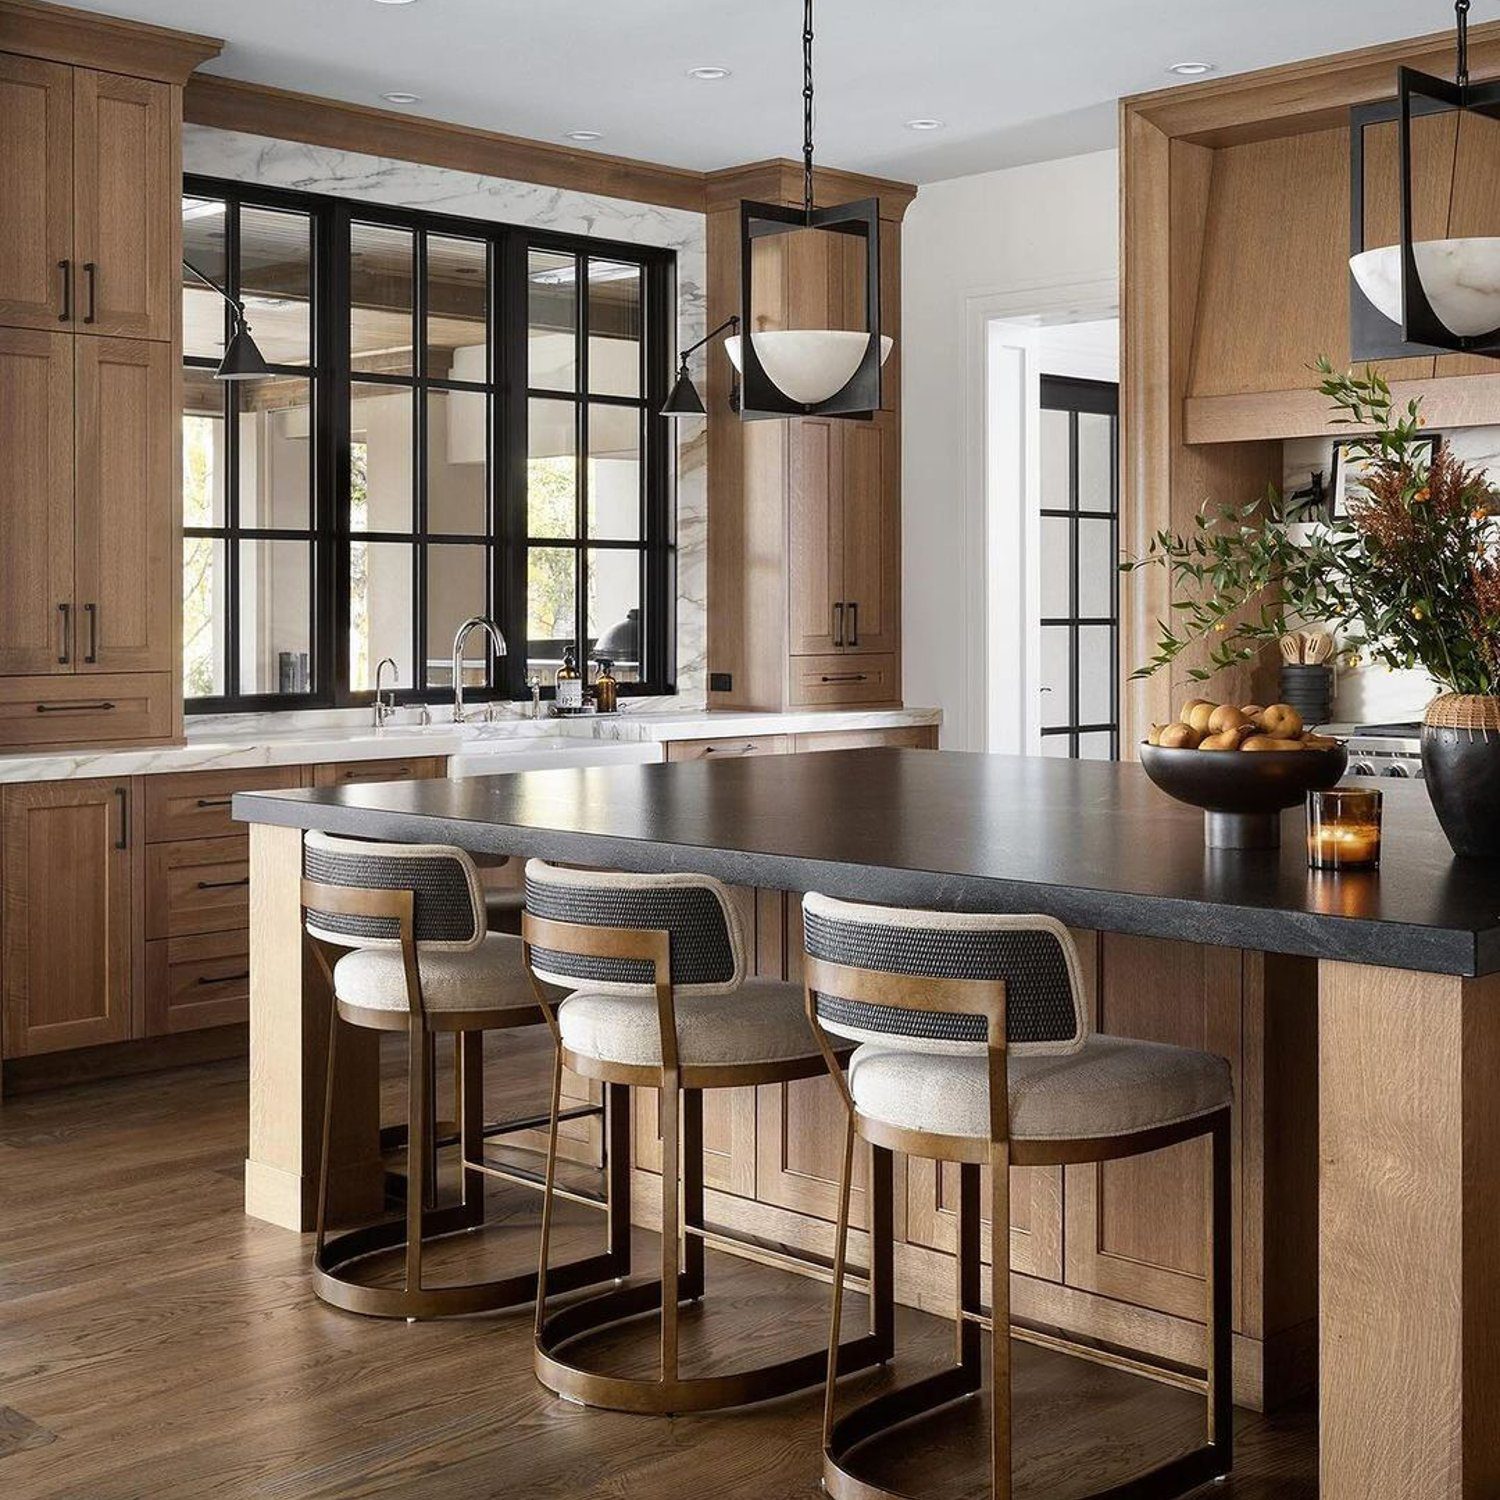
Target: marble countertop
column 291, row 739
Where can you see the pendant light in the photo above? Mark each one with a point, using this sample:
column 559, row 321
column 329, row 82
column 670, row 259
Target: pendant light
column 809, row 371
column 1421, row 296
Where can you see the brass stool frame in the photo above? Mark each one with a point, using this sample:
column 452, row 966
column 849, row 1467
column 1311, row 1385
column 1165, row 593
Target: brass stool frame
column 422, row 1218
column 682, row 1266
column 842, row 1435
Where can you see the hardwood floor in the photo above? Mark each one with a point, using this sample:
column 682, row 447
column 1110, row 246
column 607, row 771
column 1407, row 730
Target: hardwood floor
column 156, row 1343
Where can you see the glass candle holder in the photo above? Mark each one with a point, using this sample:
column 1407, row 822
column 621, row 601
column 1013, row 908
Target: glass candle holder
column 1343, row 829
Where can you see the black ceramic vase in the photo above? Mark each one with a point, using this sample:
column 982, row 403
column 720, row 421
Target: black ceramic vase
column 1461, row 761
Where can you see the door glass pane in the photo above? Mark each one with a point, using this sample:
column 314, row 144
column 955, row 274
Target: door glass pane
column 1056, row 746
column 1057, row 603
column 203, row 308
column 456, row 590
column 380, row 438
column 614, row 328
column 203, row 614
column 551, row 620
column 276, row 453
column 1055, row 704
column 380, row 613
column 1053, row 433
column 551, row 468
column 1096, row 569
column 380, row 294
column 275, row 619
column 1096, row 670
column 457, row 467
column 615, row 609
column 203, row 456
column 457, row 309
column 1095, row 461
column 276, row 282
column 615, row 472
column 552, row 320
column 1095, row 746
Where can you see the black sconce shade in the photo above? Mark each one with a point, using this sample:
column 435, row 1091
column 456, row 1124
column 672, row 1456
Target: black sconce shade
column 242, row 358
column 683, row 400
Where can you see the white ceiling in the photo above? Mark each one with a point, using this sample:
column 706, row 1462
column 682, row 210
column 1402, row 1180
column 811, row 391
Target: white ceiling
column 1013, row 80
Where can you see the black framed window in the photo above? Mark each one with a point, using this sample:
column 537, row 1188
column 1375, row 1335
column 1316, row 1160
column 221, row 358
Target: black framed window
column 1080, row 546
column 474, row 408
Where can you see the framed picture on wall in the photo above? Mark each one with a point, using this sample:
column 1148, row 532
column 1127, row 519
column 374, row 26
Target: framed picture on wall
column 1349, row 465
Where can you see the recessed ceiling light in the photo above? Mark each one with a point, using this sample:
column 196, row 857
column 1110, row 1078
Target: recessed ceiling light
column 709, row 74
column 393, row 2
column 585, row 135
column 1192, row 69
column 924, row 124
column 399, row 96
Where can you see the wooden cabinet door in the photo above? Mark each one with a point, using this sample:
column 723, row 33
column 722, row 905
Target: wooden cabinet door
column 815, row 542
column 869, row 493
column 67, row 914
column 36, row 500
column 125, row 191
column 1137, row 1229
column 125, row 590
column 36, row 193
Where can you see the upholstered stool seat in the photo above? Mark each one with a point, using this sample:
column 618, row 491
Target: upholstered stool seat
column 1110, row 1086
column 489, row 977
column 763, row 1021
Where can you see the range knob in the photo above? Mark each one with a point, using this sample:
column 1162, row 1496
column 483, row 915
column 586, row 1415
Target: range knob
column 1361, row 768
column 1399, row 771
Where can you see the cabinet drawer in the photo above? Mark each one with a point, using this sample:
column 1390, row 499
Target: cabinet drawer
column 728, row 749
column 352, row 772
column 844, row 679
column 199, row 981
column 195, row 805
column 198, row 885
column 911, row 737
column 101, row 706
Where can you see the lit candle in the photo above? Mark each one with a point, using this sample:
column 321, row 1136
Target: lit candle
column 1343, row 829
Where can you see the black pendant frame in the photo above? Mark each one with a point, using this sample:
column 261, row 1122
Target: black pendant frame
column 860, row 396
column 1372, row 335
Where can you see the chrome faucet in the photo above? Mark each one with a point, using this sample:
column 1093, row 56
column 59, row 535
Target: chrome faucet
column 460, row 636
column 385, row 703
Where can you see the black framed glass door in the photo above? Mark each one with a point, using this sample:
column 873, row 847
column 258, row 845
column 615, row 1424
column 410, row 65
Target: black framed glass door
column 1080, row 546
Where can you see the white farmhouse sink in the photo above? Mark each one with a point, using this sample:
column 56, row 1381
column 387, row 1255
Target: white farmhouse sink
column 495, row 757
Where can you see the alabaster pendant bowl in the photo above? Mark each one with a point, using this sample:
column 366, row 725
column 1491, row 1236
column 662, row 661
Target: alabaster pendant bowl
column 808, row 365
column 1461, row 279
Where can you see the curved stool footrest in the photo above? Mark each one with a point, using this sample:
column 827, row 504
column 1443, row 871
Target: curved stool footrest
column 338, row 1289
column 669, row 1397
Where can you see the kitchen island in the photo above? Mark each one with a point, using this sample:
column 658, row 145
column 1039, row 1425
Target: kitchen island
column 1361, row 1012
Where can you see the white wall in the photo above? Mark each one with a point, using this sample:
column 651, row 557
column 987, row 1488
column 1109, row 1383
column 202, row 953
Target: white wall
column 1037, row 240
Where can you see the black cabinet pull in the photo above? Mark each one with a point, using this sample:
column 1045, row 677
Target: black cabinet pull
column 123, row 842
column 97, row 705
column 222, row 885
column 92, row 611
column 222, row 978
column 843, row 677
column 65, row 620
column 214, row 801
column 854, row 623
column 92, row 272
column 838, row 624
column 66, row 315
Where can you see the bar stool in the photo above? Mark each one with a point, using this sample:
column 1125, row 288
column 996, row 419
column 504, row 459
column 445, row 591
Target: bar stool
column 421, row 961
column 974, row 1048
column 661, row 1000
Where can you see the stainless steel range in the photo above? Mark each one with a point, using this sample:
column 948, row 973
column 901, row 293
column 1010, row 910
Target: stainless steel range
column 1391, row 750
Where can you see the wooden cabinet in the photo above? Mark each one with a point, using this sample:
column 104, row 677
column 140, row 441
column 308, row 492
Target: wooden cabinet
column 86, row 532
column 36, row 193
column 728, row 749
column 36, row 519
column 88, row 188
column 352, row 772
column 67, row 923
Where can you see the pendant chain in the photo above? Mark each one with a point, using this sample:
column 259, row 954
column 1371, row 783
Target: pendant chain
column 807, row 104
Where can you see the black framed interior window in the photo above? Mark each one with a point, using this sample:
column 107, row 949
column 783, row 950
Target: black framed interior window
column 1080, row 548
column 462, row 421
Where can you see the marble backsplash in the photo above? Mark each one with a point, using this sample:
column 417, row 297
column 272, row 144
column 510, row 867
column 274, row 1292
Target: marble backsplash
column 350, row 174
column 1376, row 694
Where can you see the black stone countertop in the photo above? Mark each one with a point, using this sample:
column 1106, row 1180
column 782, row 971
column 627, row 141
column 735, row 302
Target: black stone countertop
column 1090, row 842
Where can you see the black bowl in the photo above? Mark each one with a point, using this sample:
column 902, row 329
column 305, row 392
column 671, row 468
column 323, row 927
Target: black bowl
column 1243, row 792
